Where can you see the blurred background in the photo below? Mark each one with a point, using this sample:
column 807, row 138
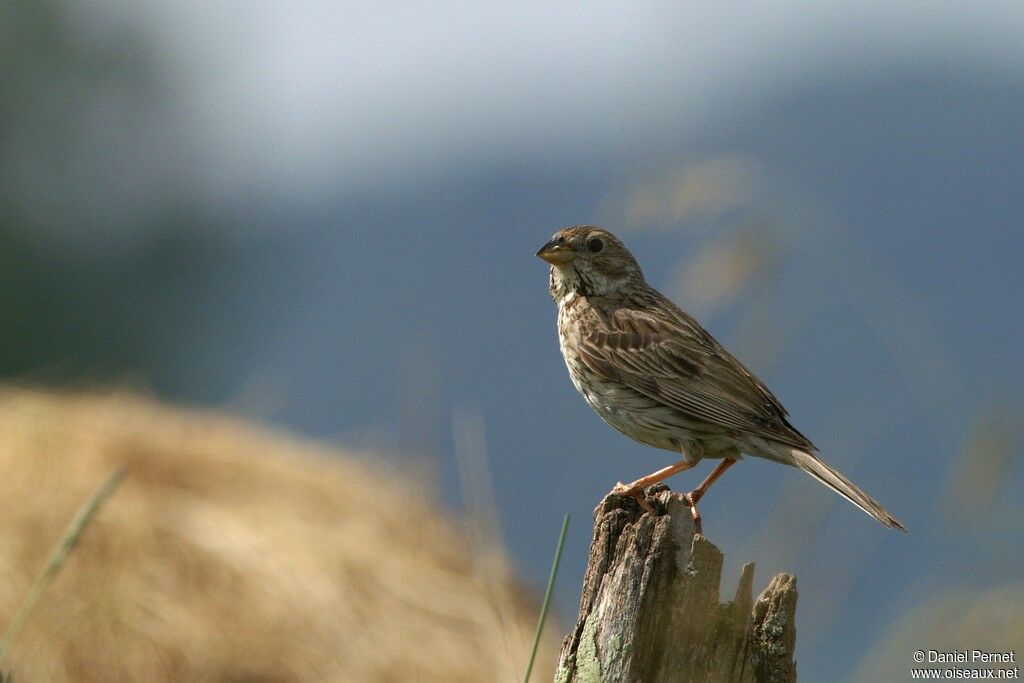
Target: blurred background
column 323, row 216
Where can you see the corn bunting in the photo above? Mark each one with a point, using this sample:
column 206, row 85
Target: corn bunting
column 653, row 373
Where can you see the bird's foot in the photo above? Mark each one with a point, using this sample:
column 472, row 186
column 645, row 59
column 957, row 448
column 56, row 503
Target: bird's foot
column 691, row 502
column 635, row 492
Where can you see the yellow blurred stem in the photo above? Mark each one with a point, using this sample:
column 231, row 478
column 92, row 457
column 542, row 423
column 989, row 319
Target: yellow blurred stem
column 58, row 556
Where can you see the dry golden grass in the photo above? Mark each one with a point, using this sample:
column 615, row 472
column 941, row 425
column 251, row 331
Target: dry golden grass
column 232, row 553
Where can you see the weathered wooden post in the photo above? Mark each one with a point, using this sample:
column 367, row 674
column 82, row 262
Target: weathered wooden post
column 650, row 610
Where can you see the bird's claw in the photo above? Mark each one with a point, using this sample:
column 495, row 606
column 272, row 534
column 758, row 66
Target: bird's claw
column 634, row 492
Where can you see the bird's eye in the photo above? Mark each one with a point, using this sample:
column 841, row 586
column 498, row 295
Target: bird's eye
column 595, row 245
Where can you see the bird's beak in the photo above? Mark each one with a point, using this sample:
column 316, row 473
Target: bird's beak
column 557, row 253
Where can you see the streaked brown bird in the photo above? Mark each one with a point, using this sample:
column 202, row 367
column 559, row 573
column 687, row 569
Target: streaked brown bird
column 653, row 373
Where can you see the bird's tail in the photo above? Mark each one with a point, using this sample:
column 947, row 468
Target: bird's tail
column 833, row 479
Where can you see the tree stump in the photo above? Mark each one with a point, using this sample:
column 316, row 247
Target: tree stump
column 650, row 607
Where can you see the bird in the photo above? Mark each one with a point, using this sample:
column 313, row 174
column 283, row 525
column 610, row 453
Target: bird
column 653, row 373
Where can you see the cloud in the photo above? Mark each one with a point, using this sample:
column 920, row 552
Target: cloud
column 228, row 104
column 314, row 94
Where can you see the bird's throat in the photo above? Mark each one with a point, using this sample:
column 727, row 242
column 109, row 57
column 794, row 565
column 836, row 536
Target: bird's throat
column 566, row 283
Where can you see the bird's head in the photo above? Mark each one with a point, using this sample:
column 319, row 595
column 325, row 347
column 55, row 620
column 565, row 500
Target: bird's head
column 589, row 261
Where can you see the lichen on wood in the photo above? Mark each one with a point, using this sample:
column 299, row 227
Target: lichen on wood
column 650, row 609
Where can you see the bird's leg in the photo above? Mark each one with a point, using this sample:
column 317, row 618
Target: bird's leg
column 695, row 495
column 636, row 489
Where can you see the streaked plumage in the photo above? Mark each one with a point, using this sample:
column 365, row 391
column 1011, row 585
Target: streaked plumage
column 652, row 372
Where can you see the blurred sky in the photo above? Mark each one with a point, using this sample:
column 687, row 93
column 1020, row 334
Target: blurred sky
column 324, row 215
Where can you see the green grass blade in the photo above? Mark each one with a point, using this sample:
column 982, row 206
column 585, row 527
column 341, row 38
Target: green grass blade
column 58, row 556
column 547, row 598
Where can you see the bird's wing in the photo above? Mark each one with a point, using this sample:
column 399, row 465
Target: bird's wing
column 666, row 355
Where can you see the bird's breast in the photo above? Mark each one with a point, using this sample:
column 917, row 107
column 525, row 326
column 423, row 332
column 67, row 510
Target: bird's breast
column 630, row 412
